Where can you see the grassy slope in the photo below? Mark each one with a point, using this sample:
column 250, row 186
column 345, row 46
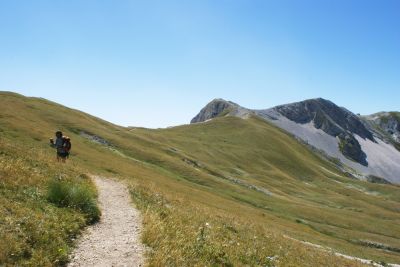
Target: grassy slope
column 209, row 168
column 34, row 232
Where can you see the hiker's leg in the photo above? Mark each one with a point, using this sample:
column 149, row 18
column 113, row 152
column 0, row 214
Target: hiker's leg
column 63, row 157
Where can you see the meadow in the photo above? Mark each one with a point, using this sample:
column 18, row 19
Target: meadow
column 228, row 192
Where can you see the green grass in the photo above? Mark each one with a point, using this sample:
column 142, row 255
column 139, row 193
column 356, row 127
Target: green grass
column 182, row 234
column 187, row 176
column 33, row 231
column 73, row 194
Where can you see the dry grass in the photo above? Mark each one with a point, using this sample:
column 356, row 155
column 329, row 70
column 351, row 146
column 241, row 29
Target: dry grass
column 33, row 232
column 182, row 234
column 191, row 175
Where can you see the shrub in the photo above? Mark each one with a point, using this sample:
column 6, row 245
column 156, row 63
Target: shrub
column 74, row 195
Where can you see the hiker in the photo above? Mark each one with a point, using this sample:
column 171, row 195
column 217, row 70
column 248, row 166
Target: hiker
column 59, row 145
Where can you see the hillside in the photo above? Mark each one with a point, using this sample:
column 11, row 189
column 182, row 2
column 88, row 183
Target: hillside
column 366, row 146
column 229, row 191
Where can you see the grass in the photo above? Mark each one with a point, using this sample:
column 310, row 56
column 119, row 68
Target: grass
column 180, row 234
column 33, row 231
column 76, row 195
column 185, row 177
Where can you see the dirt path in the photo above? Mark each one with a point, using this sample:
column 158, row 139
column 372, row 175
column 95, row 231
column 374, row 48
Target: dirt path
column 115, row 240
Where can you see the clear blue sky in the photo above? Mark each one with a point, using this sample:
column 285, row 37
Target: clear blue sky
column 156, row 63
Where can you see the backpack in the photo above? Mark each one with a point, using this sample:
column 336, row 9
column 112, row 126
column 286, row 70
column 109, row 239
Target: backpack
column 67, row 144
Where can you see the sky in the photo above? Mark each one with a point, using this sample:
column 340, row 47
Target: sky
column 157, row 63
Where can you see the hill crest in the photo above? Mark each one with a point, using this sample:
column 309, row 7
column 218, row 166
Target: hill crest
column 366, row 144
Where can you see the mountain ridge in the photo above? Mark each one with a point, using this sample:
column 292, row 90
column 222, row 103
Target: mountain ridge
column 219, row 107
column 334, row 130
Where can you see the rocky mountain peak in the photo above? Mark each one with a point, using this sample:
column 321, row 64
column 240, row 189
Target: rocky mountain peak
column 366, row 144
column 333, row 120
column 219, row 107
column 388, row 122
column 325, row 115
column 213, row 109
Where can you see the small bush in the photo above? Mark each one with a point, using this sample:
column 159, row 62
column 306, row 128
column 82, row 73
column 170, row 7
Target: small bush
column 74, row 195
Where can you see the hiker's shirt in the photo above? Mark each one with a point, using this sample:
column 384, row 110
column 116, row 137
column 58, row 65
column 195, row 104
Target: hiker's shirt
column 59, row 144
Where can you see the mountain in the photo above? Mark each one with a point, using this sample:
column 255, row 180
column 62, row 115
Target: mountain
column 225, row 192
column 220, row 107
column 367, row 146
column 387, row 123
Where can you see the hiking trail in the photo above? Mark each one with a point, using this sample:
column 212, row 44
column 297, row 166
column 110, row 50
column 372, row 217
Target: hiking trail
column 115, row 239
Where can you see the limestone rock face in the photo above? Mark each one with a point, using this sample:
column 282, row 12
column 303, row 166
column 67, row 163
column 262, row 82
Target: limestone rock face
column 327, row 116
column 333, row 120
column 388, row 122
column 351, row 148
column 212, row 110
column 218, row 108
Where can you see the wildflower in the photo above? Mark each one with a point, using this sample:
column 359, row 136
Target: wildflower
column 272, row 258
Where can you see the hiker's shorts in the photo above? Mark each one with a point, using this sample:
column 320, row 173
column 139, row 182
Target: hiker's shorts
column 62, row 154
